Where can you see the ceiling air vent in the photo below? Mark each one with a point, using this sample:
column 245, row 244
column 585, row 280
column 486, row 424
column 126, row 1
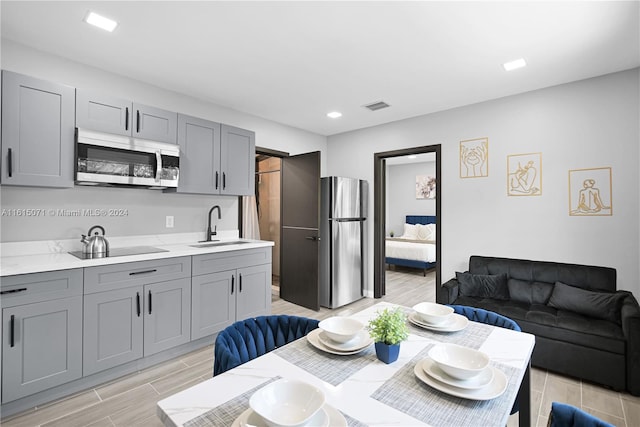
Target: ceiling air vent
column 374, row 106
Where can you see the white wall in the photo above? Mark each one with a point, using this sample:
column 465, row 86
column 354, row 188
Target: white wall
column 401, row 194
column 586, row 124
column 146, row 208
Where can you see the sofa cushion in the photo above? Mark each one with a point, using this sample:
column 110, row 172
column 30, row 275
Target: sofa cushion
column 483, row 285
column 529, row 292
column 601, row 305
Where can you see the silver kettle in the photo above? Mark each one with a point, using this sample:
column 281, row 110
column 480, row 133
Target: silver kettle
column 96, row 246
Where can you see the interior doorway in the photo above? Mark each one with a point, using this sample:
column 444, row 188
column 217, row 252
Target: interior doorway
column 380, row 212
column 267, row 189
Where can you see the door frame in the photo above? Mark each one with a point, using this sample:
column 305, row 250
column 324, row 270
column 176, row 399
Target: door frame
column 268, row 152
column 380, row 219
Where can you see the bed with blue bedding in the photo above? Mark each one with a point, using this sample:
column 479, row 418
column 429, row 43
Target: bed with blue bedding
column 416, row 248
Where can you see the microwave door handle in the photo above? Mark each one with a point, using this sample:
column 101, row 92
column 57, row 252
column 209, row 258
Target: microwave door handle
column 158, row 165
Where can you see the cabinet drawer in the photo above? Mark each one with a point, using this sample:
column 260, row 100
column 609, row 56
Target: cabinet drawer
column 211, row 263
column 37, row 287
column 119, row 276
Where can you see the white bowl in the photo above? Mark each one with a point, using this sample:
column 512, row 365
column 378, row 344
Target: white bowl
column 459, row 362
column 433, row 313
column 341, row 329
column 287, row 403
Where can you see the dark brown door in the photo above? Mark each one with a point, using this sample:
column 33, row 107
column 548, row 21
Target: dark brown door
column 299, row 235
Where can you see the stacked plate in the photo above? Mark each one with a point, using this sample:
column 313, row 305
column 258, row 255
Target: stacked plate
column 289, row 403
column 320, row 340
column 327, row 416
column 461, row 372
column 437, row 317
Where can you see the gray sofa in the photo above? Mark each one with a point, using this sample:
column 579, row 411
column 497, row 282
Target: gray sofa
column 584, row 327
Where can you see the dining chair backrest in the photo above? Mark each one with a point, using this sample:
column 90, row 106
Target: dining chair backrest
column 247, row 339
column 563, row 415
column 486, row 316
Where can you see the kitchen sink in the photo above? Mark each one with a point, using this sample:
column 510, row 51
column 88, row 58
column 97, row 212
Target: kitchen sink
column 219, row 243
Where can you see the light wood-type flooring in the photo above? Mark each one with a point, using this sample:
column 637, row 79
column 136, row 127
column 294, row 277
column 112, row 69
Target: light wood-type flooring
column 131, row 400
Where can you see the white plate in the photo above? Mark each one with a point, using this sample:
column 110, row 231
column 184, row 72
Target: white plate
column 432, row 369
column 327, row 416
column 360, row 341
column 495, row 388
column 314, row 338
column 457, row 323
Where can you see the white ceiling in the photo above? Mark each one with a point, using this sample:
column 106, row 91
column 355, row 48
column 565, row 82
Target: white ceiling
column 293, row 62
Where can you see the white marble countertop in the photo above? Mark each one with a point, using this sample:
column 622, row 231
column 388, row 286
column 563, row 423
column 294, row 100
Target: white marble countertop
column 40, row 256
column 354, row 396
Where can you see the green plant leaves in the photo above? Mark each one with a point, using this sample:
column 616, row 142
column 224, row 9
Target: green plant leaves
column 389, row 326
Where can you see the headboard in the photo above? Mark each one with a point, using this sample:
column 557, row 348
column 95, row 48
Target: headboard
column 421, row 219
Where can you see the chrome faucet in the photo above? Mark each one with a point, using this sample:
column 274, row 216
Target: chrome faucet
column 215, row 227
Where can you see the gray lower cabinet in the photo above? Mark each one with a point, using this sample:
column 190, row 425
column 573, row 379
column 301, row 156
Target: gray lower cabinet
column 113, row 328
column 229, row 286
column 41, row 332
column 167, row 315
column 37, row 132
column 119, row 116
column 126, row 324
column 135, row 309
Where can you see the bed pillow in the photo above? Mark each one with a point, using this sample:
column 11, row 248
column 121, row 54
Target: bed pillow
column 601, row 305
column 432, row 230
column 483, row 285
column 423, row 232
column 410, row 232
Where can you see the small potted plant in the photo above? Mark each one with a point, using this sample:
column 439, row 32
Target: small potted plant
column 388, row 329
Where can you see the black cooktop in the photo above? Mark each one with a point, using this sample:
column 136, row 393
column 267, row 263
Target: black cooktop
column 131, row 250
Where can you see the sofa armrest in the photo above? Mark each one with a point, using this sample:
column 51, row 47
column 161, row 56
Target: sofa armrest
column 630, row 317
column 448, row 293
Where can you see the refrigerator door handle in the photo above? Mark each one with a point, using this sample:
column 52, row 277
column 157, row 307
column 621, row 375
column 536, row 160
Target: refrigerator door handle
column 314, row 238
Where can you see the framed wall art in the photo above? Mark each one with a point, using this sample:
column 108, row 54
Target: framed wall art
column 425, row 187
column 474, row 158
column 524, row 174
column 590, row 192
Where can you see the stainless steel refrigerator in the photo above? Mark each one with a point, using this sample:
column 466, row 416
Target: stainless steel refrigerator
column 343, row 210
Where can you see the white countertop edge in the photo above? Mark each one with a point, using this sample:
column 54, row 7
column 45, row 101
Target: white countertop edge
column 36, row 257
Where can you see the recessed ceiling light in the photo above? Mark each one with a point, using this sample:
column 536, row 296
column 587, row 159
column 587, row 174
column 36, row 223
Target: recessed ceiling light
column 518, row 63
column 334, row 114
column 100, row 21
column 412, row 156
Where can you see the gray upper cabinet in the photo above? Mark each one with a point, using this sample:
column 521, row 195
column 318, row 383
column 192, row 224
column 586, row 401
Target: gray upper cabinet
column 199, row 142
column 123, row 117
column 37, row 132
column 215, row 158
column 237, row 161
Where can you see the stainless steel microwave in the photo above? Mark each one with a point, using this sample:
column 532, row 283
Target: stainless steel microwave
column 115, row 160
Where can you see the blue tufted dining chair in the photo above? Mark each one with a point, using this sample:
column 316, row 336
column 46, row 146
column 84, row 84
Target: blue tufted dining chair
column 563, row 415
column 247, row 339
column 485, row 316
column 490, row 318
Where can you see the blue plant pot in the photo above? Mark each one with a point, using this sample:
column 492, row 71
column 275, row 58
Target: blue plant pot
column 387, row 353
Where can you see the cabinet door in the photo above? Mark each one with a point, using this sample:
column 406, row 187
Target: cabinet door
column 213, row 303
column 154, row 123
column 112, row 329
column 37, row 132
column 167, row 315
column 254, row 291
column 199, row 142
column 103, row 113
column 237, row 161
column 42, row 346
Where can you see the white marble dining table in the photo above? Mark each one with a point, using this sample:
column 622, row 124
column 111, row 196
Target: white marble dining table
column 366, row 391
